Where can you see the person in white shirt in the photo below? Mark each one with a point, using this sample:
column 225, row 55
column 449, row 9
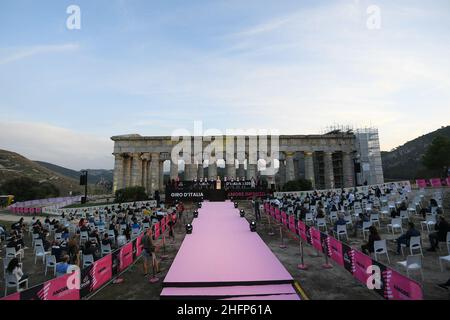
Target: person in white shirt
column 14, row 269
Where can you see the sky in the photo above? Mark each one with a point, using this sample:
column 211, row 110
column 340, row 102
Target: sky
column 151, row 67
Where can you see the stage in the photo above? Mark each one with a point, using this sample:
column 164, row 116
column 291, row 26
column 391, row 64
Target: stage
column 223, row 259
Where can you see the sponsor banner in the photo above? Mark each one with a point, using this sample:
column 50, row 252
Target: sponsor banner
column 316, row 238
column 156, row 231
column 139, row 245
column 292, row 224
column 324, row 242
column 14, row 296
column 115, row 262
column 360, row 264
column 400, row 287
column 247, row 194
column 421, row 183
column 126, row 256
column 284, row 218
column 436, row 182
column 163, row 225
column 382, row 290
column 335, row 251
column 63, row 288
column 302, row 230
column 277, row 214
column 172, row 196
column 34, row 293
column 347, row 254
column 86, row 281
column 101, row 271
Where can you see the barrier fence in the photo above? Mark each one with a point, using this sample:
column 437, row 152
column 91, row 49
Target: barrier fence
column 39, row 206
column 434, row 183
column 392, row 284
column 83, row 283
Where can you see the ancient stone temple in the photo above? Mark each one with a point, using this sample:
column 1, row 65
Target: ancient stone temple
column 328, row 161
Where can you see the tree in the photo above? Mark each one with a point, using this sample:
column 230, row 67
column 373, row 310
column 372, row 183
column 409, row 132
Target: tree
column 25, row 189
column 131, row 194
column 437, row 156
column 298, row 185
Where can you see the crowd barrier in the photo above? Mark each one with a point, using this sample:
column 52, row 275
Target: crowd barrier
column 80, row 285
column 361, row 189
column 393, row 285
column 433, row 183
column 40, row 206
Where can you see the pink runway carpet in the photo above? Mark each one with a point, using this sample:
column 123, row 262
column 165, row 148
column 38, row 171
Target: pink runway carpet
column 223, row 259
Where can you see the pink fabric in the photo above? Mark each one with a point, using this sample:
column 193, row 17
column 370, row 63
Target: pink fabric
column 222, row 249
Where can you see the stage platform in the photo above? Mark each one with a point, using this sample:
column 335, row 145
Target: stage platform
column 222, row 258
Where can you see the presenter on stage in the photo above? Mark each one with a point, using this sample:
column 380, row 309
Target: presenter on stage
column 218, row 183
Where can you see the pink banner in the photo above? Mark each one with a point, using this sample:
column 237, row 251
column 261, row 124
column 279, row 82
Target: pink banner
column 436, row 182
column 335, row 250
column 292, row 224
column 139, row 245
column 101, row 271
column 163, row 225
column 126, row 256
column 157, row 231
column 421, row 183
column 302, row 230
column 284, row 218
column 315, row 238
column 14, row 296
column 278, row 215
column 360, row 264
column 400, row 287
column 58, row 288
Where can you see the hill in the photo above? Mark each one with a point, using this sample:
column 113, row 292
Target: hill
column 95, row 176
column 405, row 162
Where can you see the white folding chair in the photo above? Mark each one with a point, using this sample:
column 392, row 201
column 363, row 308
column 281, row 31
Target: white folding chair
column 321, row 222
column 12, row 253
column 84, row 236
column 365, row 228
column 443, row 259
column 430, row 221
column 87, row 260
column 412, row 263
column 333, row 216
column 396, row 223
column 404, row 215
column 5, row 265
column 380, row 247
column 341, row 230
column 58, row 236
column 348, row 219
column 414, row 244
column 40, row 253
column 309, row 218
column 11, row 282
column 50, row 262
column 375, row 218
column 105, row 249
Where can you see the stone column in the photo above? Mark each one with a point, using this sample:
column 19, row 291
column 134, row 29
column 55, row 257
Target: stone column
column 212, row 170
column 136, row 170
column 187, row 172
column 145, row 171
column 127, row 159
column 252, row 170
column 200, row 171
column 309, row 168
column 328, row 170
column 154, row 173
column 173, row 170
column 231, row 169
column 118, row 172
column 347, row 170
column 161, row 176
column 290, row 171
column 282, row 173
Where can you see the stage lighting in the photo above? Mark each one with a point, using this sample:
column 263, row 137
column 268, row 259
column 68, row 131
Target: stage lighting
column 195, row 214
column 236, row 205
column 188, row 228
column 199, row 205
column 242, row 212
column 253, row 226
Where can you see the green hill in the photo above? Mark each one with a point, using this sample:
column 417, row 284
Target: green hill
column 405, row 162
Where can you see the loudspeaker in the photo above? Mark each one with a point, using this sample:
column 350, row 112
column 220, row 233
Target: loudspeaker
column 358, row 167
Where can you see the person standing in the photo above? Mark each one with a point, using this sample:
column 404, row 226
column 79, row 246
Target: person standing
column 440, row 235
column 257, row 209
column 149, row 252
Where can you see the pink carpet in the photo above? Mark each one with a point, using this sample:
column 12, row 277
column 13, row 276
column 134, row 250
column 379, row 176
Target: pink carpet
column 223, row 258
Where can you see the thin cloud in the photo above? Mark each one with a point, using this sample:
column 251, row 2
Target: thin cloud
column 12, row 55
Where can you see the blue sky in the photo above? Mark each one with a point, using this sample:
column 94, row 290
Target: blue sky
column 151, row 67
